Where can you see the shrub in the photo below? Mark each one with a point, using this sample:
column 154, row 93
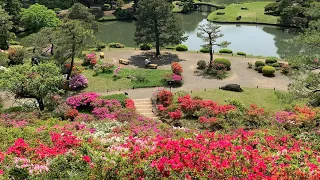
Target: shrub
column 165, row 98
column 78, row 81
column 285, row 69
column 259, row 63
column 272, row 8
column 275, row 65
column 12, row 42
column 201, row 64
column 119, row 97
column 268, row 70
column 259, row 69
column 250, row 65
column 90, row 59
column 104, row 67
column 101, row 46
column 130, row 104
column 4, row 59
column 181, row 47
column 204, row 50
column 232, row 87
column 224, row 61
column 241, row 53
column 271, row 60
column 82, row 100
column 116, row 45
column 226, row 51
column 176, row 68
column 170, row 47
column 16, row 55
column 106, row 7
column 145, row 46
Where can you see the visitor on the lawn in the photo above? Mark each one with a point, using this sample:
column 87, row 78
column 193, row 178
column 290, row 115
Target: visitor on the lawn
column 146, row 62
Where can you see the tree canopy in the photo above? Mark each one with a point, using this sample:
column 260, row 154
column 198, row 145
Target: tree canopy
column 26, row 81
column 5, row 27
column 38, row 16
column 156, row 23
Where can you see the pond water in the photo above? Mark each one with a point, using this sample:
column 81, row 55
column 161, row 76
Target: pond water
column 252, row 39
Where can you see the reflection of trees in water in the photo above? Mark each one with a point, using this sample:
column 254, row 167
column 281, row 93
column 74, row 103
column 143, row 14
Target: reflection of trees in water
column 191, row 21
column 286, row 48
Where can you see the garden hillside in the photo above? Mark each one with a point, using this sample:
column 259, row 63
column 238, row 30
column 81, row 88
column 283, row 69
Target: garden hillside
column 92, row 136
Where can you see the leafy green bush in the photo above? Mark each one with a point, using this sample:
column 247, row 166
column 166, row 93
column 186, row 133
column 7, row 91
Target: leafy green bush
column 241, row 53
column 268, row 70
column 259, row 63
column 226, row 51
column 237, row 103
column 12, row 42
column 249, row 65
column 119, row 97
column 272, row 8
column 145, row 46
column 275, row 65
column 204, row 50
column 182, row 47
column 271, row 60
column 57, row 10
column 116, row 45
column 106, row 7
column 201, row 64
column 224, row 61
column 4, row 59
column 16, row 55
column 101, row 46
column 259, row 69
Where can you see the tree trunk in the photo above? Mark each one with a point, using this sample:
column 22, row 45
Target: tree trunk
column 211, row 53
column 72, row 58
column 52, row 46
column 156, row 31
column 41, row 104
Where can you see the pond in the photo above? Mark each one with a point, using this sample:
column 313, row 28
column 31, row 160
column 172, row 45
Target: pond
column 251, row 39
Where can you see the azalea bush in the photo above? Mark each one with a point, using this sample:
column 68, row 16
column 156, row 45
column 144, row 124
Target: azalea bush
column 78, row 81
column 176, row 68
column 90, row 59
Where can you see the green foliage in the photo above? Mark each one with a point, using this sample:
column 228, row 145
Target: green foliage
column 295, row 15
column 13, row 7
column 52, row 4
column 156, row 23
column 4, row 59
column 116, row 45
column 56, row 10
column 224, row 61
column 259, row 63
column 37, row 82
column 268, row 70
column 145, row 46
column 237, row 103
column 119, row 97
column 80, row 12
column 106, row 7
column 204, row 50
column 16, row 55
column 271, row 60
column 124, row 13
column 241, row 53
column 6, row 26
column 250, row 64
column 101, row 46
column 226, row 51
column 259, row 69
column 38, row 16
column 201, row 64
column 18, row 173
column 181, row 47
column 275, row 65
column 272, row 8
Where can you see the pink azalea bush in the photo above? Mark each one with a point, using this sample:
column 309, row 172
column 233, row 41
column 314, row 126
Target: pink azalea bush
column 83, row 99
column 78, row 81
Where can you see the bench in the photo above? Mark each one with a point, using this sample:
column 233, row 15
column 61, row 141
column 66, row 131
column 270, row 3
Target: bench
column 153, row 66
column 101, row 55
column 124, row 61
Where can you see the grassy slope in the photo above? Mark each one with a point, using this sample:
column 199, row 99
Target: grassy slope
column 265, row 98
column 104, row 81
column 254, row 14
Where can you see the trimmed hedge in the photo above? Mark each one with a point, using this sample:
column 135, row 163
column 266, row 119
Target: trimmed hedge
column 224, row 61
column 119, row 97
column 116, row 45
column 204, row 50
column 241, row 53
column 101, row 46
column 259, row 69
column 226, row 51
column 275, row 65
column 170, row 47
column 268, row 70
column 271, row 60
column 181, row 47
column 145, row 46
column 259, row 63
column 201, row 64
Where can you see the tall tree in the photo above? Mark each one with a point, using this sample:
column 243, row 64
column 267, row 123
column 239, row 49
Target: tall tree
column 71, row 38
column 38, row 16
column 157, row 23
column 210, row 32
column 26, row 81
column 13, row 7
column 5, row 27
column 81, row 13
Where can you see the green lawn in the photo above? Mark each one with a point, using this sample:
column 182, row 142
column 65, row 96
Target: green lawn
column 265, row 98
column 104, row 81
column 254, row 14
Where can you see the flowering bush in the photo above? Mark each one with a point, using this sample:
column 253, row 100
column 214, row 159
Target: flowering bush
column 83, row 99
column 116, row 71
column 130, row 104
column 176, row 68
column 78, row 81
column 71, row 114
column 175, row 115
column 103, row 113
column 164, row 97
column 84, row 118
column 105, row 67
column 90, row 59
column 301, row 116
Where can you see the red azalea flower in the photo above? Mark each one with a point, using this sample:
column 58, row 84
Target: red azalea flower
column 87, row 159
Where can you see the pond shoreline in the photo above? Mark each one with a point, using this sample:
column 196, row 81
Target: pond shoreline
column 253, row 23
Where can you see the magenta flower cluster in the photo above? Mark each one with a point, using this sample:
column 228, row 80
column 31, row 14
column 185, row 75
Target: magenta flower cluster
column 176, row 77
column 83, row 99
column 78, row 81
